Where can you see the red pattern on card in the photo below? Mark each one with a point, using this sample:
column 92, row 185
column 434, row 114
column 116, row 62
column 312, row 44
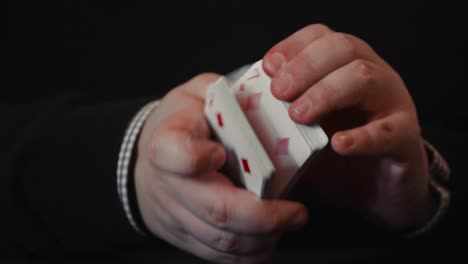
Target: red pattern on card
column 282, row 146
column 242, row 87
column 219, row 117
column 252, row 102
column 245, row 165
column 255, row 75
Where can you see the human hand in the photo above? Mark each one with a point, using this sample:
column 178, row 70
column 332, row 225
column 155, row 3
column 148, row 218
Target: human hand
column 184, row 200
column 376, row 162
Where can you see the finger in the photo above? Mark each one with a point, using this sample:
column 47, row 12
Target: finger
column 383, row 136
column 182, row 145
column 352, row 84
column 287, row 49
column 317, row 60
column 179, row 152
column 198, row 85
column 170, row 230
column 228, row 241
column 216, row 238
column 219, row 203
column 178, row 228
column 201, row 250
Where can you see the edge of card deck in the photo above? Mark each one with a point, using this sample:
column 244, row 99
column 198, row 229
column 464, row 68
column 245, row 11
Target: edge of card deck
column 305, row 140
column 237, row 136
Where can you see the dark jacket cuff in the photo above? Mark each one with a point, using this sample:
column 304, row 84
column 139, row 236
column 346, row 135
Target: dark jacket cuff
column 61, row 180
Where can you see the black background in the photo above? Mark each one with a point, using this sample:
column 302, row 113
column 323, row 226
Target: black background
column 116, row 50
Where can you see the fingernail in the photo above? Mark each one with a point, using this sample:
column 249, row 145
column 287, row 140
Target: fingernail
column 301, row 218
column 300, row 107
column 217, row 158
column 343, row 142
column 275, row 61
column 281, row 84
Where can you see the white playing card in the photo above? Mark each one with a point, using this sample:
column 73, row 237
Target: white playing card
column 289, row 145
column 247, row 160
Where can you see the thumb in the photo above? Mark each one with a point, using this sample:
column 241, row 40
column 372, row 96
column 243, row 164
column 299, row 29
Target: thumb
column 380, row 137
column 190, row 119
column 182, row 145
column 198, row 85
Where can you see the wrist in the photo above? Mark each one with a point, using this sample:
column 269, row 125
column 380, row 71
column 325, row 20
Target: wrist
column 441, row 196
column 126, row 163
column 420, row 212
column 439, row 172
column 428, row 211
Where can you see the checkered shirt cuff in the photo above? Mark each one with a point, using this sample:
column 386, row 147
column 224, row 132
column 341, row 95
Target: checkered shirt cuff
column 440, row 173
column 125, row 155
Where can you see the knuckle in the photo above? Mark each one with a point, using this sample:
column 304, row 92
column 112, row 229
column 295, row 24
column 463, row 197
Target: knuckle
column 329, row 94
column 366, row 71
column 386, row 127
column 218, row 213
column 176, row 93
column 206, row 77
column 345, row 42
column 173, row 97
column 318, row 29
column 308, row 61
column 226, row 242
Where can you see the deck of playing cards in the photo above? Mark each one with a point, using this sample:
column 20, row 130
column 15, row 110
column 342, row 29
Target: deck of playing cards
column 266, row 150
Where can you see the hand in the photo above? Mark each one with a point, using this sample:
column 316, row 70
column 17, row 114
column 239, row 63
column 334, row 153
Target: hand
column 376, row 162
column 185, row 201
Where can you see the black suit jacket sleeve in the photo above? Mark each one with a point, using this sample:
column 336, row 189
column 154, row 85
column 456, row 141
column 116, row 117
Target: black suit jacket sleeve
column 58, row 168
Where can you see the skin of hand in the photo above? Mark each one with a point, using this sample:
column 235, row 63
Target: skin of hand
column 186, row 201
column 376, row 162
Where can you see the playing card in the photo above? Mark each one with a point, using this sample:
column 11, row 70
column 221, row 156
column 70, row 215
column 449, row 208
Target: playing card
column 247, row 160
column 289, row 145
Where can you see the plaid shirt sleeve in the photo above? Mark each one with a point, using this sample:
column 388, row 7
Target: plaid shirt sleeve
column 123, row 163
column 438, row 169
